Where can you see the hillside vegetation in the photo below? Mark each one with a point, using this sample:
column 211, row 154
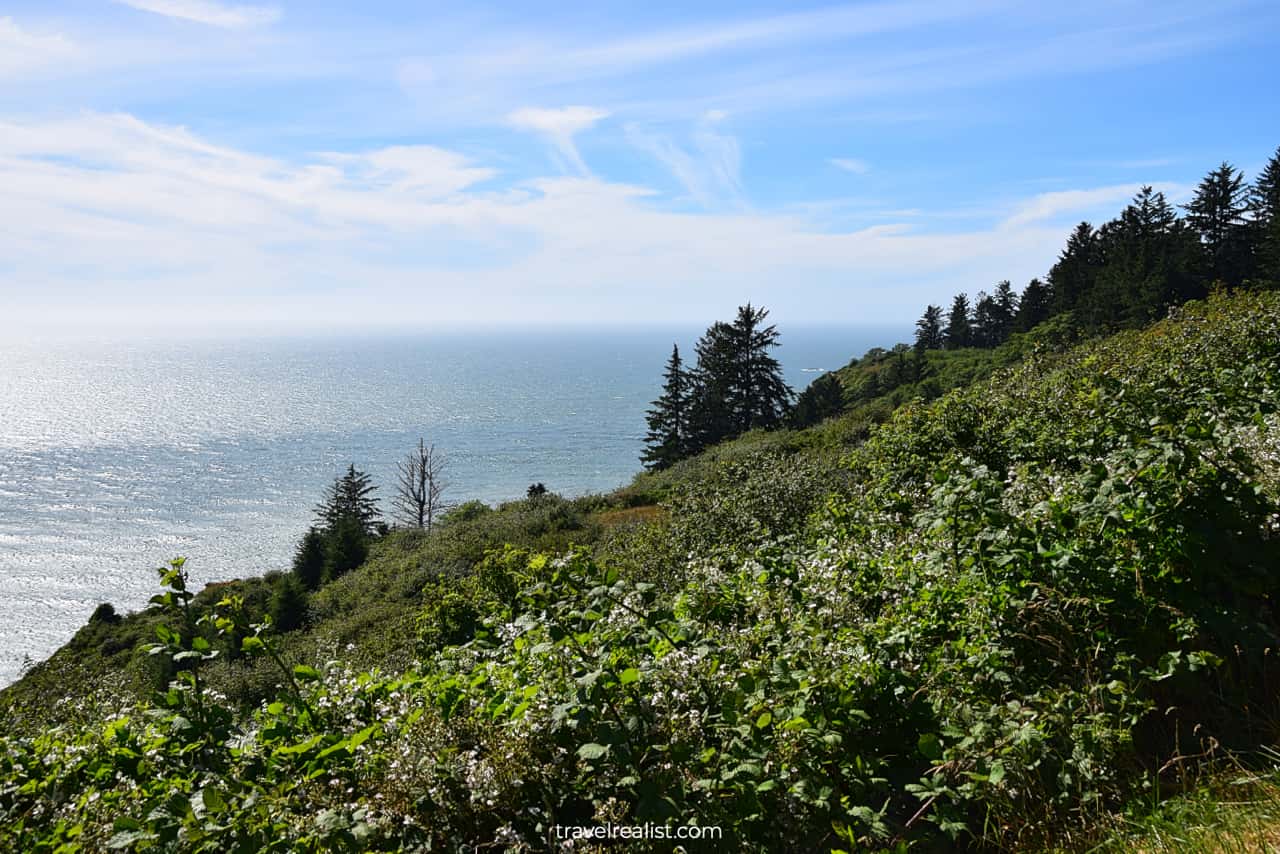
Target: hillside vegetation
column 994, row 621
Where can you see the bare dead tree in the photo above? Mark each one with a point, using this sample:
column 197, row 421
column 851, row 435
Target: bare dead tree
column 419, row 495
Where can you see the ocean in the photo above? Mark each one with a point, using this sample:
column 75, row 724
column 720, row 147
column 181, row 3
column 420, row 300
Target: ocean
column 117, row 455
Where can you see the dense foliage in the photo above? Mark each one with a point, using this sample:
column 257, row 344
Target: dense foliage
column 1006, row 612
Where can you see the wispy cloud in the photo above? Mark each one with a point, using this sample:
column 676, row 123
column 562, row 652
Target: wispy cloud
column 109, row 212
column 209, row 12
column 560, row 126
column 22, row 51
column 1049, row 206
column 709, row 170
column 851, row 164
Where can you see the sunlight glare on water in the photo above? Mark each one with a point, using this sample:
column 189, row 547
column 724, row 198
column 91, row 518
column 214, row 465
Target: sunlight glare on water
column 116, row 456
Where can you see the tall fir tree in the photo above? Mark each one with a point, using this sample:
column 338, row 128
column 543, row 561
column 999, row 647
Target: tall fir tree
column 711, row 388
column 986, row 323
column 667, row 439
column 763, row 397
column 1218, row 214
column 288, row 605
column 351, row 497
column 1265, row 207
column 929, row 329
column 308, row 560
column 346, row 546
column 1076, row 270
column 1006, row 309
column 959, row 332
column 1148, row 261
column 736, row 384
column 1034, row 307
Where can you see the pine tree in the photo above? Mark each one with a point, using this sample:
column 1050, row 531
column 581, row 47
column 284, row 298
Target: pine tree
column 763, row 397
column 823, row 399
column 1147, row 261
column 959, row 328
column 711, row 388
column 1265, row 206
column 1217, row 213
column 667, row 439
column 308, row 561
column 736, row 384
column 986, row 321
column 346, row 547
column 1075, row 273
column 1034, row 306
column 288, row 607
column 929, row 330
column 350, row 496
column 1006, row 310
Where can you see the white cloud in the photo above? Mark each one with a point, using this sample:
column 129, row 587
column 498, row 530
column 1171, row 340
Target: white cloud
column 22, row 51
column 209, row 12
column 1047, row 206
column 851, row 164
column 710, row 170
column 560, row 126
column 110, row 216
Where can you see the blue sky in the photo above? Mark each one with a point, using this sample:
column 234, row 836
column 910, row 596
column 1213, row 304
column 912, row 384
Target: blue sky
column 201, row 164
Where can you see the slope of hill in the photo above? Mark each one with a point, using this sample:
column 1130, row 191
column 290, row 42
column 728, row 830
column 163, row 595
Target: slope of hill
column 1000, row 618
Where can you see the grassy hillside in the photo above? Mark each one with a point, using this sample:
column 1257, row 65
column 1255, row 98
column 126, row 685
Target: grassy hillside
column 998, row 620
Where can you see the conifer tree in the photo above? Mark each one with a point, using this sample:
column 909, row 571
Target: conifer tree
column 1217, row 213
column 823, row 399
column 1076, row 270
column 711, row 388
column 986, row 321
column 1265, row 206
column 959, row 331
column 1147, row 261
column 1033, row 307
column 308, row 561
column 736, row 384
column 288, row 606
column 763, row 396
column 929, row 329
column 346, row 547
column 667, row 439
column 350, row 497
column 1006, row 309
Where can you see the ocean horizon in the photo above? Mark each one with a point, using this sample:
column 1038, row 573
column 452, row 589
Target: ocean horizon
column 116, row 456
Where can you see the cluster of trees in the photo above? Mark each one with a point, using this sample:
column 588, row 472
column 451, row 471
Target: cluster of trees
column 346, row 521
column 987, row 321
column 1131, row 270
column 349, row 518
column 736, row 385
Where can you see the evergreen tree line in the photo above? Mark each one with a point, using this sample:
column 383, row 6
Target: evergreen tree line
column 1126, row 273
column 1133, row 269
column 735, row 385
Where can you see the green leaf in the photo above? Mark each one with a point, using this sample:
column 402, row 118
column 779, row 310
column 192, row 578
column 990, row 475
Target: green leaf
column 930, row 746
column 303, row 673
column 212, row 799
column 591, row 750
column 764, row 720
column 629, row 675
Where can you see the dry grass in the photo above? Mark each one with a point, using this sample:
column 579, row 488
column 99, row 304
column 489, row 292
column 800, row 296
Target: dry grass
column 628, row 516
column 1238, row 812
